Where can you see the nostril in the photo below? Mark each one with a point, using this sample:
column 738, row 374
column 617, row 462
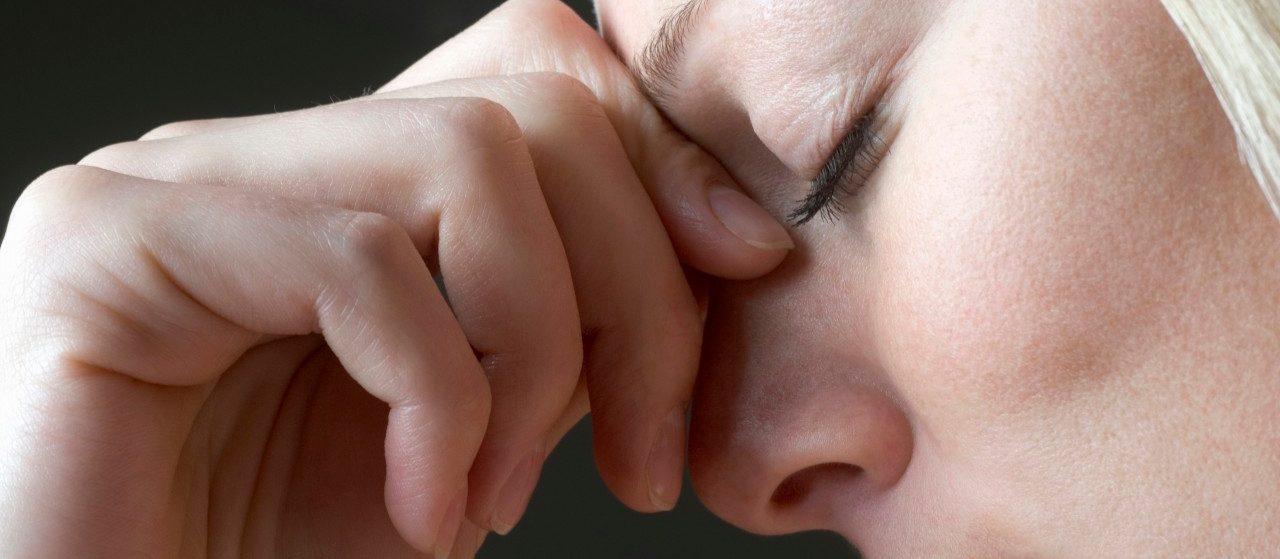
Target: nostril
column 797, row 487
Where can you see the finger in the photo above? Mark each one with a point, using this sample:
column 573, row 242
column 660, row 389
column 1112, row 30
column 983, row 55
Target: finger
column 641, row 319
column 467, row 544
column 637, row 311
column 578, row 407
column 207, row 269
column 714, row 227
column 458, row 176
column 200, row 126
column 643, row 324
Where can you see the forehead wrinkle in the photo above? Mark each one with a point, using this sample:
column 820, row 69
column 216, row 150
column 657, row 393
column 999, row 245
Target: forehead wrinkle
column 801, row 113
column 840, row 59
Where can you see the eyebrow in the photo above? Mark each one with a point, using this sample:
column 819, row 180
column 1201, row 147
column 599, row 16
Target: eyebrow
column 657, row 65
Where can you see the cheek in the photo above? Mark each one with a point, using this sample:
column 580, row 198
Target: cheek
column 1031, row 218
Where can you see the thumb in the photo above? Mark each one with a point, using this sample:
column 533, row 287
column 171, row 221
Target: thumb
column 714, row 227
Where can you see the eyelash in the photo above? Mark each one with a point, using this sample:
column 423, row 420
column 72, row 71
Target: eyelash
column 845, row 173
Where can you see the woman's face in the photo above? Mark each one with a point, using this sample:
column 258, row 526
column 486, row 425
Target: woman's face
column 1044, row 324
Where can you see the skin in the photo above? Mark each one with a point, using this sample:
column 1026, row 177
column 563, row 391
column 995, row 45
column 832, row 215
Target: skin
column 1047, row 326
column 225, row 338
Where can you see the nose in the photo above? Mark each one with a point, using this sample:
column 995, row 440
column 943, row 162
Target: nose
column 789, row 432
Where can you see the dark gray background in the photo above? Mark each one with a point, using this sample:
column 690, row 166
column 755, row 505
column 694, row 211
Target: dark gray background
column 79, row 75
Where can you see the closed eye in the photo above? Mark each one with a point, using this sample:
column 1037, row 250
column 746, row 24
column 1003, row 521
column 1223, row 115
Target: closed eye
column 844, row 174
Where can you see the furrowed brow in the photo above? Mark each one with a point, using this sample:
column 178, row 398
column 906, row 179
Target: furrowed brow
column 658, row 64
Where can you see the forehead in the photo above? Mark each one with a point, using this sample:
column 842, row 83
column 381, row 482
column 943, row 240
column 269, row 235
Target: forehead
column 631, row 23
column 775, row 60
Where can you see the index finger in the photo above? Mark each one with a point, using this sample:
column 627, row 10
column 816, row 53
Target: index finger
column 714, row 227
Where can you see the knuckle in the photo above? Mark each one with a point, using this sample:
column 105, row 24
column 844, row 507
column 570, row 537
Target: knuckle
column 54, row 208
column 115, row 157
column 567, row 97
column 367, row 239
column 481, row 123
column 487, row 145
column 562, row 86
column 553, row 13
column 555, row 24
column 173, row 129
column 172, row 160
column 45, row 197
column 460, row 126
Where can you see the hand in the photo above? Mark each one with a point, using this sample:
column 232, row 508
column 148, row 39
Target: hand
column 166, row 392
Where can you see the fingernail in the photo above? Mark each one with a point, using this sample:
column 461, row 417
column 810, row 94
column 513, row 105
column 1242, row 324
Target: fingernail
column 448, row 531
column 666, row 461
column 514, row 497
column 747, row 220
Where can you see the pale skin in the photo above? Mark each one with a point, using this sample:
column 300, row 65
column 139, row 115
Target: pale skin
column 1047, row 325
column 210, row 323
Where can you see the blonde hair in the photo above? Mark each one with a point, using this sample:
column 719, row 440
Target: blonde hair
column 1238, row 44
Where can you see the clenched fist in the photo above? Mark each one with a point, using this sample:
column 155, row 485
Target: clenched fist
column 229, row 338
